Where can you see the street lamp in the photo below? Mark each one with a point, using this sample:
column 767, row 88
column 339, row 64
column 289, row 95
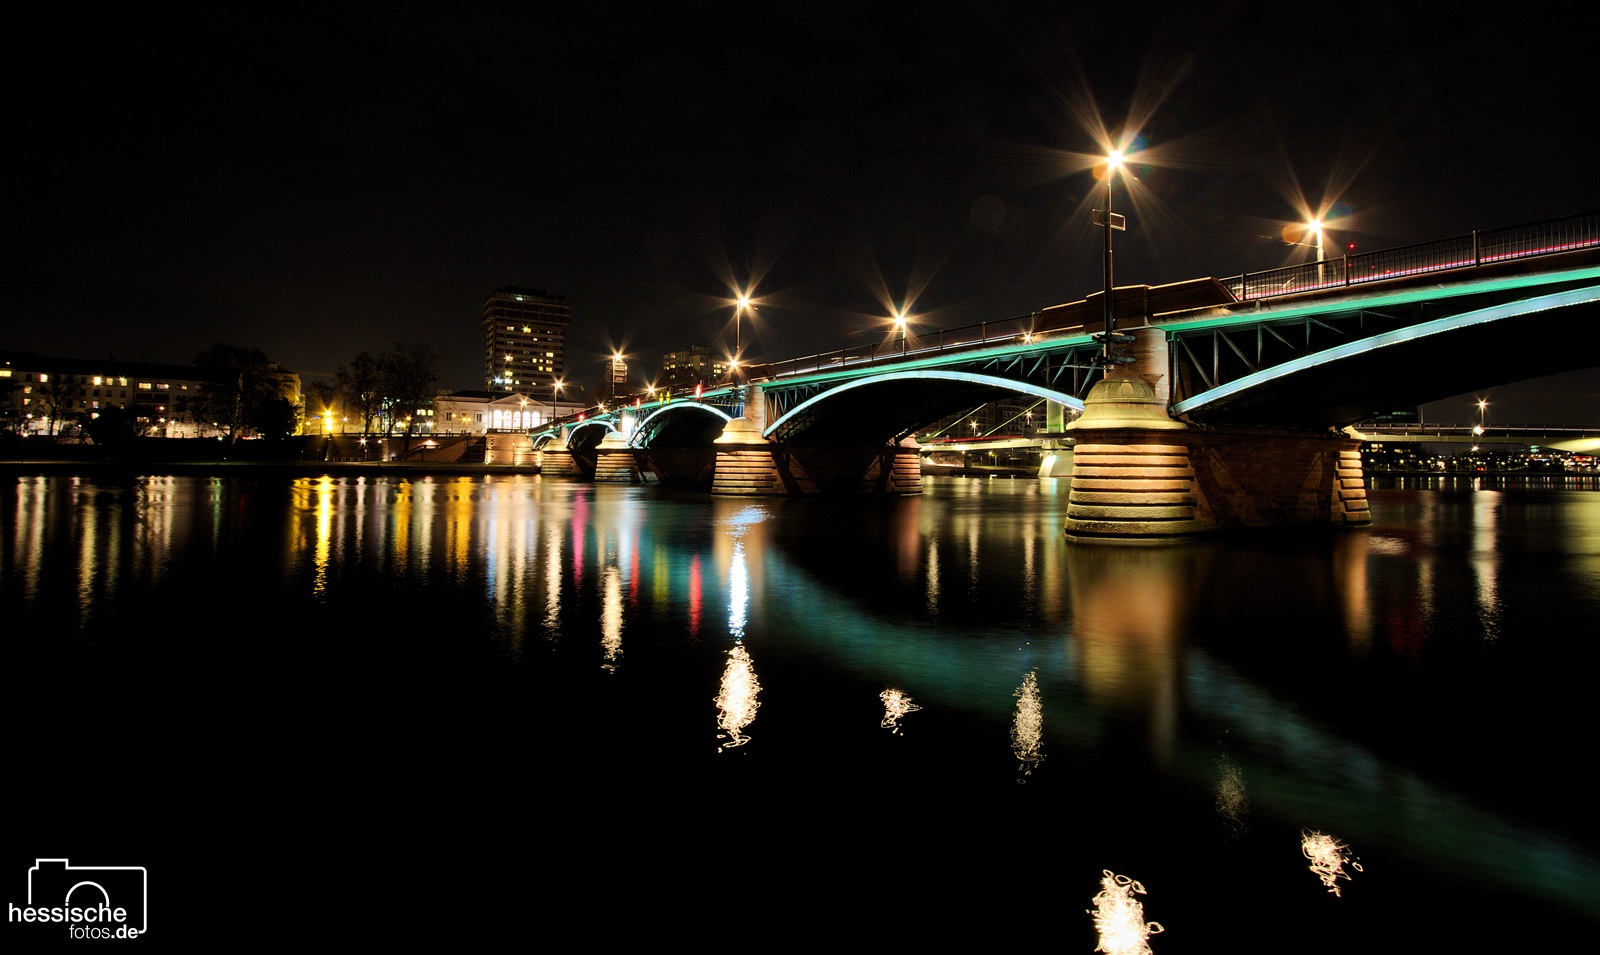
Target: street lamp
column 1109, row 221
column 900, row 323
column 1481, row 406
column 555, row 390
column 738, row 315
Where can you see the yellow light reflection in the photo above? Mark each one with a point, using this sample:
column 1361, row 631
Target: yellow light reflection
column 736, row 700
column 1328, row 858
column 322, row 550
column 1119, row 917
column 1027, row 726
column 895, row 706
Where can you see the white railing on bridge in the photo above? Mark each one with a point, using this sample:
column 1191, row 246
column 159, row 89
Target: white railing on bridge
column 1549, row 237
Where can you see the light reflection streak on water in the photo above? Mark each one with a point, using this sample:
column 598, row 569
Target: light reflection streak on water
column 695, row 596
column 933, row 578
column 611, row 618
column 425, row 504
column 400, row 515
column 1233, row 801
column 736, row 698
column 461, row 511
column 28, row 536
column 324, row 543
column 552, row 579
column 895, row 706
column 1485, row 559
column 738, row 592
column 580, row 531
column 1119, row 916
column 1350, row 553
column 1328, row 858
column 1027, row 725
column 88, row 545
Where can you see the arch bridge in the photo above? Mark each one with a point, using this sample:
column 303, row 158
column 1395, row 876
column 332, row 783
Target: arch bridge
column 1212, row 370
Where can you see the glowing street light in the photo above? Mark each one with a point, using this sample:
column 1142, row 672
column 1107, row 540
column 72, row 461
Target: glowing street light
column 555, row 391
column 900, row 323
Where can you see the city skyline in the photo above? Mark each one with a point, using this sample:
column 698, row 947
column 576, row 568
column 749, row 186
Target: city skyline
column 322, row 193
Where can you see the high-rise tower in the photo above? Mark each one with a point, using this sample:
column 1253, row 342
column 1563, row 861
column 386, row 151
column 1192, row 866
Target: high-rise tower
column 525, row 340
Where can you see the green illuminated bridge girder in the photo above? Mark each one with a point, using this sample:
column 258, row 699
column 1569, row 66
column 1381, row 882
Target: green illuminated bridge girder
column 1316, row 348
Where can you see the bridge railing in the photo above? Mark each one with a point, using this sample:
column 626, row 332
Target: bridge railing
column 1551, row 236
column 1003, row 331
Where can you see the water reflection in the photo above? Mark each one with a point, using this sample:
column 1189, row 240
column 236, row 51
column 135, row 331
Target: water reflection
column 736, row 698
column 1027, row 726
column 1129, row 614
column 1233, row 800
column 1119, row 917
column 1328, row 858
column 1486, row 559
column 1182, row 671
column 895, row 706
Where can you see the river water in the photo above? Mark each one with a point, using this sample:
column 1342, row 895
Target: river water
column 474, row 704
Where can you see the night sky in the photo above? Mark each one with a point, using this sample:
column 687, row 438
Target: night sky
column 322, row 183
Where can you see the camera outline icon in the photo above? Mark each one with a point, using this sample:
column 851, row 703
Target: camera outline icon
column 86, row 886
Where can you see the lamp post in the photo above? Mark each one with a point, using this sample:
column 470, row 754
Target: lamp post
column 1482, row 405
column 1314, row 226
column 738, row 315
column 555, row 391
column 1109, row 221
column 900, row 322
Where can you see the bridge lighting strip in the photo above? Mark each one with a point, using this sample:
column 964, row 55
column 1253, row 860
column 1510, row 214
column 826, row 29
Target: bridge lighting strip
column 1410, row 296
column 1494, row 313
column 956, row 353
column 930, row 375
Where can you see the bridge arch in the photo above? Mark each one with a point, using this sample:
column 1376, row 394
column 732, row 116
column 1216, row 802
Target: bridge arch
column 882, row 409
column 587, row 435
column 679, row 424
column 1404, row 367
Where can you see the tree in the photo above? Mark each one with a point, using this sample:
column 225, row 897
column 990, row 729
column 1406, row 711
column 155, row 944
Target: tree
column 113, row 427
column 410, row 375
column 58, row 395
column 235, row 381
column 275, row 417
column 360, row 386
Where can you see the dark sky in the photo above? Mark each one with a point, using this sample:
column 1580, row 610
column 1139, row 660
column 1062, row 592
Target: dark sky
column 321, row 183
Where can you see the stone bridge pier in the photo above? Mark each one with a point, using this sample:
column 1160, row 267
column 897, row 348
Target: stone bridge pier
column 1138, row 473
column 749, row 464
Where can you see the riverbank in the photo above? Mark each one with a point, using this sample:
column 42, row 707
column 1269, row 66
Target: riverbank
column 303, row 468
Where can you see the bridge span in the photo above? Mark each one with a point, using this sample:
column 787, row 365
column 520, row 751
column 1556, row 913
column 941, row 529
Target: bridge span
column 1229, row 402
